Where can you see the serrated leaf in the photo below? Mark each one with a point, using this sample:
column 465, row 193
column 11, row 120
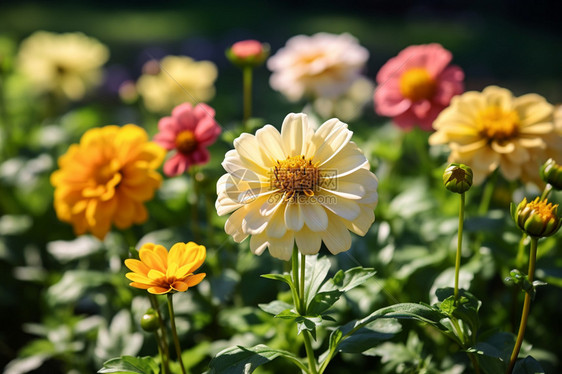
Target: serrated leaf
column 240, row 360
column 130, row 365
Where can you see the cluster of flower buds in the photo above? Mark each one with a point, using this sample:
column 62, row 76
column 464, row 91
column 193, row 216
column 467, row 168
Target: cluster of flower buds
column 248, row 53
column 537, row 218
column 457, row 178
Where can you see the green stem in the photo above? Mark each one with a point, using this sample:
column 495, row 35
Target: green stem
column 175, row 332
column 247, row 88
column 459, row 248
column 195, row 206
column 526, row 306
column 298, row 297
column 546, row 191
column 163, row 339
column 487, row 195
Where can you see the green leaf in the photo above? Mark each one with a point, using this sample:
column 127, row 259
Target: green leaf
column 240, row 360
column 345, row 281
column 286, row 278
column 129, row 364
column 466, row 309
column 275, row 307
column 369, row 336
column 322, row 302
column 316, row 272
column 74, row 284
column 412, row 311
column 528, row 366
column 309, row 324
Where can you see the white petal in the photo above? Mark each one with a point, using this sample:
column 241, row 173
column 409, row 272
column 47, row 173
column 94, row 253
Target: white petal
column 330, row 146
column 349, row 159
column 315, row 217
column 308, row 242
column 343, row 207
column 276, row 227
column 225, row 204
column 282, row 248
column 250, row 152
column 361, row 224
column 254, row 223
column 337, row 239
column 293, row 216
column 268, row 137
column 258, row 243
column 293, row 133
column 233, row 225
column 272, row 203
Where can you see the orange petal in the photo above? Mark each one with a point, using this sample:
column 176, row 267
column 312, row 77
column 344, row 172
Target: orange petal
column 159, row 290
column 151, row 259
column 180, row 286
column 195, row 279
column 142, row 286
column 136, row 266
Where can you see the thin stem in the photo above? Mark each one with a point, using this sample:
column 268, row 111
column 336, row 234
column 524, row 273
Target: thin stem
column 175, row 332
column 161, row 340
column 195, row 206
column 301, row 292
column 459, row 248
column 526, row 306
column 298, row 298
column 546, row 191
column 474, row 361
column 487, row 195
column 247, row 88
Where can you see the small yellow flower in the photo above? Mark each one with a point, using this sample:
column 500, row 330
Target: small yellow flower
column 177, row 79
column 65, row 64
column 106, row 178
column 492, row 129
column 160, row 271
column 537, row 218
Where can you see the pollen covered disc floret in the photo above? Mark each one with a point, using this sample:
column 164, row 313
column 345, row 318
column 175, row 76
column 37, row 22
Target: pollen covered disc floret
column 297, row 186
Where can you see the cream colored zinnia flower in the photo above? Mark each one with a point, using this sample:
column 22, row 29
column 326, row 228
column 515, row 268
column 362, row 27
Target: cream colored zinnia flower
column 66, row 64
column 179, row 79
column 299, row 185
column 492, row 129
column 322, row 65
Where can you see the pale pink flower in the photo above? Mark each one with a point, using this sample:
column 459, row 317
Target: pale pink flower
column 415, row 86
column 190, row 130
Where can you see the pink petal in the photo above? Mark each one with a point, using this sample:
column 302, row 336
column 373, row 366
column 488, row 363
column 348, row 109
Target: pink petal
column 176, row 165
column 203, row 111
column 450, row 84
column 200, row 156
column 166, row 140
column 207, row 131
column 183, row 113
column 437, row 58
column 168, row 124
column 389, row 102
column 421, row 108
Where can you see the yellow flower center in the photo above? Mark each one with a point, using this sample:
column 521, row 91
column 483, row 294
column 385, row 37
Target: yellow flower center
column 295, row 176
column 543, row 209
column 497, row 124
column 416, row 84
column 186, row 142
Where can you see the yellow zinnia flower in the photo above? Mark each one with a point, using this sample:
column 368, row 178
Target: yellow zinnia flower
column 160, row 272
column 65, row 64
column 177, row 79
column 492, row 129
column 106, row 178
column 299, row 185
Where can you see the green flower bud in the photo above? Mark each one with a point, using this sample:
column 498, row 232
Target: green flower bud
column 537, row 218
column 457, row 178
column 551, row 173
column 149, row 321
column 248, row 53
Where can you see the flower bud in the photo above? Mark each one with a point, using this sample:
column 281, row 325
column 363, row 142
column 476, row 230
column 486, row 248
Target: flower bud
column 248, row 53
column 551, row 173
column 149, row 321
column 537, row 218
column 457, row 178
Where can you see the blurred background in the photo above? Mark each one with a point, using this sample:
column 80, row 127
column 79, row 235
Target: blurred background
column 514, row 44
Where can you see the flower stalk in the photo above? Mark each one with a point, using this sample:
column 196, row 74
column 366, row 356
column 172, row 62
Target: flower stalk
column 459, row 247
column 247, row 73
column 526, row 306
column 162, row 336
column 175, row 332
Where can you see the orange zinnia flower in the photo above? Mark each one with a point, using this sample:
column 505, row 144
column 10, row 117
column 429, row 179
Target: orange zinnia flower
column 161, row 272
column 106, row 179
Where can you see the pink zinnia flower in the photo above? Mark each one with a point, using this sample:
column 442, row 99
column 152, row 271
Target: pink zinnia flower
column 247, row 48
column 189, row 131
column 415, row 86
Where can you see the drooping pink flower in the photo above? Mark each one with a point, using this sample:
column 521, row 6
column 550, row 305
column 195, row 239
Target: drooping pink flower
column 190, row 130
column 415, row 86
